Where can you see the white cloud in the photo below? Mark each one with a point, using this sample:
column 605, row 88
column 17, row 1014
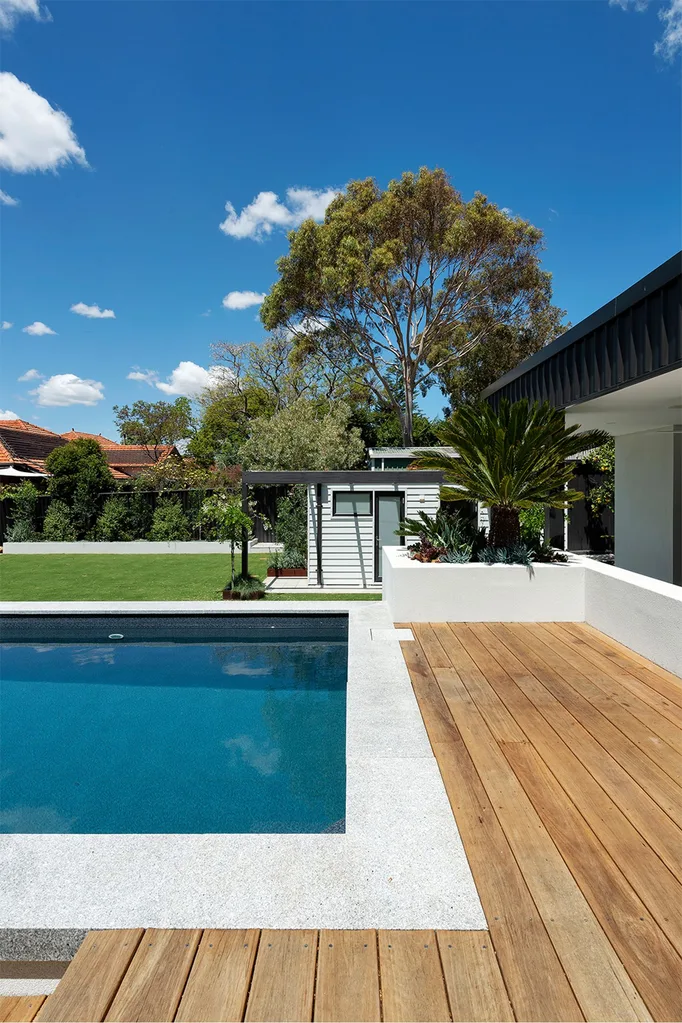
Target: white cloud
column 34, row 136
column 670, row 43
column 5, row 325
column 145, row 376
column 242, row 299
column 68, row 389
column 93, row 311
column 207, row 313
column 37, row 329
column 12, row 10
column 190, row 380
column 308, row 325
column 8, row 414
column 7, row 200
column 30, row 374
column 266, row 212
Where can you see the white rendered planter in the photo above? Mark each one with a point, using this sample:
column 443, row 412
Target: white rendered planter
column 481, row 593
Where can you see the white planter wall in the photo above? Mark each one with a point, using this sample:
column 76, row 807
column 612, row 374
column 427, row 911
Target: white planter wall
column 129, row 547
column 481, row 593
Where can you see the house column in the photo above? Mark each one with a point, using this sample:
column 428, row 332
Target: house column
column 648, row 503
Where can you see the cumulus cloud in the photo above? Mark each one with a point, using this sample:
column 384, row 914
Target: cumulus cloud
column 8, row 414
column 145, row 376
column 266, row 212
column 190, row 380
column 68, row 389
column 242, row 299
column 670, row 43
column 30, row 374
column 38, row 329
column 5, row 325
column 34, row 136
column 93, row 311
column 7, row 200
column 12, row 10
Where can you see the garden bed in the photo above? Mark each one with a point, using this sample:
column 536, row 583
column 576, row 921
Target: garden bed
column 287, row 573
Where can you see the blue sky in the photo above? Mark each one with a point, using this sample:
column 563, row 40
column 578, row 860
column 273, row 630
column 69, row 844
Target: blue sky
column 557, row 109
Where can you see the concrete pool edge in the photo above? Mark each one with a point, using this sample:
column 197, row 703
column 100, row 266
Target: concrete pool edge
column 400, row 863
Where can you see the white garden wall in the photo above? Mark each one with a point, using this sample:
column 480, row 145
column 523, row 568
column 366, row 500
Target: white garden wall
column 128, row 547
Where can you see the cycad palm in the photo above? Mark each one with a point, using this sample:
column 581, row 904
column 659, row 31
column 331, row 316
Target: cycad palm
column 511, row 459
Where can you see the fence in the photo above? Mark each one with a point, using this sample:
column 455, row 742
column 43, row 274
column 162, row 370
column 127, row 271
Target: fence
column 264, row 502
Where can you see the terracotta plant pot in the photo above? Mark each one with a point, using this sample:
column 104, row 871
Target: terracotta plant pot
column 288, row 573
column 236, row 595
column 229, row 594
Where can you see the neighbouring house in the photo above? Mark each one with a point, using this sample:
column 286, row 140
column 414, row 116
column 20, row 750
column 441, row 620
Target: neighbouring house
column 620, row 370
column 25, row 446
column 352, row 515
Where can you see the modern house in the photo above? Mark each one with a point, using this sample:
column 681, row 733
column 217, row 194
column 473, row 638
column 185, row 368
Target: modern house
column 25, row 446
column 352, row 516
column 620, row 370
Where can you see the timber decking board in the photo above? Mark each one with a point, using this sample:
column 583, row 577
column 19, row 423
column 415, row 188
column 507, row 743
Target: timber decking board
column 283, row 983
column 153, row 984
column 218, row 984
column 347, row 977
column 412, row 982
column 473, row 980
column 19, row 1008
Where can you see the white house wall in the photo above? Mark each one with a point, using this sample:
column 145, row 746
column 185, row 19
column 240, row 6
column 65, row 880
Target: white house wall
column 348, row 541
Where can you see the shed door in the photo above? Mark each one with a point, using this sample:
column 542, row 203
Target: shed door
column 389, row 512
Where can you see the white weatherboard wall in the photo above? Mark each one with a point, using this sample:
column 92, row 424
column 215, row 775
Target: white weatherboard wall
column 348, row 541
column 128, row 547
column 481, row 593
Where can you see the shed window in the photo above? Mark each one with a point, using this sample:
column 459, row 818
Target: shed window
column 352, row 503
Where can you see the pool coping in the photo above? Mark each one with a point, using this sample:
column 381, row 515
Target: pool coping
column 400, row 863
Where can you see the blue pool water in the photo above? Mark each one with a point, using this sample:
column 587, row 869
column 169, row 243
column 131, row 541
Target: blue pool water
column 237, row 730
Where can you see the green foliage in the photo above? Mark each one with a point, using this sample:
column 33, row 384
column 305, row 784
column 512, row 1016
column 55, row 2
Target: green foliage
column 381, row 427
column 446, row 537
column 248, row 587
column 292, row 528
column 511, row 459
column 24, row 498
column 532, row 522
column 140, row 512
column 58, row 525
column 304, row 436
column 604, row 460
column 154, row 423
column 402, row 282
column 514, row 554
column 169, row 522
column 79, row 474
column 225, row 514
column 114, row 523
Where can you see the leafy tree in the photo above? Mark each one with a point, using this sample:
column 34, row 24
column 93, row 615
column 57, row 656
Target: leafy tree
column 225, row 514
column 58, row 525
column 185, row 474
column 169, row 522
column 302, row 436
column 114, row 522
column 603, row 460
column 24, row 499
column 404, row 282
column 79, row 474
column 154, row 423
column 380, row 427
column 225, row 419
column 511, row 459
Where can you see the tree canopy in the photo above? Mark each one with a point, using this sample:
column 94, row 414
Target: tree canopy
column 404, row 282
column 79, row 474
column 304, row 436
column 154, row 423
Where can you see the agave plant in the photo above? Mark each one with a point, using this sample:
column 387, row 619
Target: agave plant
column 509, row 459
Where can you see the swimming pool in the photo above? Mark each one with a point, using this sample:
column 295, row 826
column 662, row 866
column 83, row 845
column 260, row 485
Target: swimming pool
column 132, row 724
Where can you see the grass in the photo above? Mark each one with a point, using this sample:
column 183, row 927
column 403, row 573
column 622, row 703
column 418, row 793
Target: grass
column 131, row 577
column 119, row 576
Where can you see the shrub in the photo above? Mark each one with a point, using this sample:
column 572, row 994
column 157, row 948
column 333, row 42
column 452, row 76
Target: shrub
column 292, row 528
column 532, row 524
column 514, row 554
column 24, row 499
column 114, row 522
column 140, row 511
column 21, row 531
column 248, row 587
column 79, row 475
column 58, row 525
column 169, row 522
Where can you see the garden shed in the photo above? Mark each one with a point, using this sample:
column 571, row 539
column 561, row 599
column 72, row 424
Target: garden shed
column 351, row 517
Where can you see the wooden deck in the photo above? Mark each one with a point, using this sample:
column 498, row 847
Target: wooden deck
column 561, row 753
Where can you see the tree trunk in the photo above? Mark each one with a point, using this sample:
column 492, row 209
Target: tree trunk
column 407, row 414
column 505, row 526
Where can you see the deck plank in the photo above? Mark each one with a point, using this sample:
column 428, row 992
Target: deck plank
column 412, row 982
column 19, row 1008
column 434, row 711
column 473, row 980
column 347, row 977
column 92, row 978
column 600, row 982
column 218, row 984
column 154, row 982
column 645, row 871
column 283, row 983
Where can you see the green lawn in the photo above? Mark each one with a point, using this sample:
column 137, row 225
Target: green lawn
column 131, row 577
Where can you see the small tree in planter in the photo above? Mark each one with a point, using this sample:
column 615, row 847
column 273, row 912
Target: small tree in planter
column 225, row 514
column 512, row 459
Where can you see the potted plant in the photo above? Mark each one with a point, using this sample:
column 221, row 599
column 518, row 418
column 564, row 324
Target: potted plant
column 224, row 513
column 245, row 587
